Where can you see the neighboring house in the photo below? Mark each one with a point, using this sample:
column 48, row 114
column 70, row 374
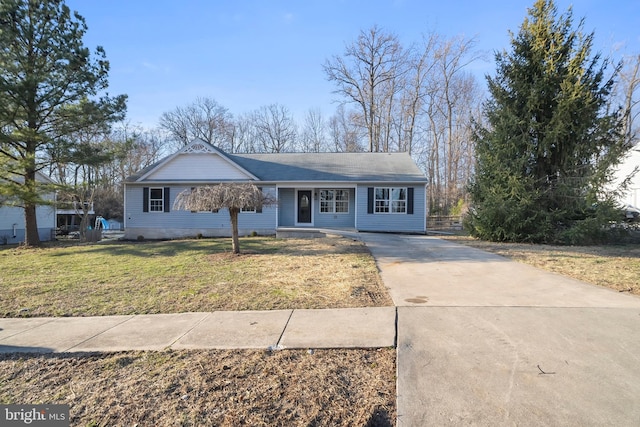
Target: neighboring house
column 12, row 222
column 632, row 195
column 357, row 191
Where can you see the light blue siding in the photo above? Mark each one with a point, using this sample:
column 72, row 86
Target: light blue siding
column 178, row 223
column 10, row 215
column 7, row 237
column 286, row 207
column 287, row 210
column 155, row 225
column 405, row 223
column 335, row 220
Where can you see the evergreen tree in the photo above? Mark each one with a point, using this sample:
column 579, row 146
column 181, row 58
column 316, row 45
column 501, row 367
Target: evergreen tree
column 548, row 153
column 44, row 69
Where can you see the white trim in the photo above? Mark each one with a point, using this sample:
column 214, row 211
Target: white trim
column 303, row 224
column 124, row 206
column 334, row 212
column 277, row 207
column 355, row 207
column 161, row 199
column 391, row 200
column 198, row 147
column 426, row 207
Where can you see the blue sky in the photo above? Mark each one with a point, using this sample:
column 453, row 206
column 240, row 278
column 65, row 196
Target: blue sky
column 250, row 53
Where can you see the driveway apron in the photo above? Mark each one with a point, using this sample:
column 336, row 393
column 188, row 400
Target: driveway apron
column 486, row 341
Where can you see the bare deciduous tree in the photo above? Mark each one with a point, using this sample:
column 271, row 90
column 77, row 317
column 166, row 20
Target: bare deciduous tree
column 313, row 138
column 231, row 196
column 275, row 128
column 345, row 136
column 418, row 100
column 243, row 134
column 205, row 119
column 420, row 64
column 367, row 75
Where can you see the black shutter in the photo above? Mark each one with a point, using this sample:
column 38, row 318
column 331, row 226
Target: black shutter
column 370, row 200
column 145, row 199
column 410, row 201
column 259, row 208
column 167, row 202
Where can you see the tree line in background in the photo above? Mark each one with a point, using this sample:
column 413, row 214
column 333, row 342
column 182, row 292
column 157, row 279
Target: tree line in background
column 418, row 98
column 392, row 98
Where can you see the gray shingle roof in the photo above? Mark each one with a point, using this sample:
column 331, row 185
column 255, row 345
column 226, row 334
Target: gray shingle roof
column 317, row 167
column 350, row 167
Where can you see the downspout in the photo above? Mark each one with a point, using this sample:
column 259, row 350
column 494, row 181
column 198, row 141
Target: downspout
column 426, row 208
column 55, row 213
column 277, row 207
column 355, row 207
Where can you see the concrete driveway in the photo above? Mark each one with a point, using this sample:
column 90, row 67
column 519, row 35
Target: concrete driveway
column 486, row 341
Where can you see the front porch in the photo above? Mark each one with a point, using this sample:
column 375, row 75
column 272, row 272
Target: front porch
column 311, row 233
column 319, row 208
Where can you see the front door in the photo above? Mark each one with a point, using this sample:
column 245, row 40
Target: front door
column 304, row 207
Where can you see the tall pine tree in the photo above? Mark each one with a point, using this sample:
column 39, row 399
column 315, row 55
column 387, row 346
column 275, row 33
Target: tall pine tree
column 44, row 69
column 545, row 159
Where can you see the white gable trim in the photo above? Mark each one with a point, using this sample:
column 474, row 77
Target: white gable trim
column 198, row 146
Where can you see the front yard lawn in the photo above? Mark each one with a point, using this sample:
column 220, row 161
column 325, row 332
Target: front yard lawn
column 188, row 276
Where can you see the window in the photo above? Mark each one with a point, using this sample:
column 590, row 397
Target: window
column 207, row 211
column 390, row 200
column 334, row 201
column 252, row 210
column 156, row 200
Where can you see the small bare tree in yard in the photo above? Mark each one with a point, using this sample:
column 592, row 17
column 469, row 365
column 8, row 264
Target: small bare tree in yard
column 232, row 196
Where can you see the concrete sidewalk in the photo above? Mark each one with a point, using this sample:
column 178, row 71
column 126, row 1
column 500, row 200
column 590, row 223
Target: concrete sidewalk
column 333, row 328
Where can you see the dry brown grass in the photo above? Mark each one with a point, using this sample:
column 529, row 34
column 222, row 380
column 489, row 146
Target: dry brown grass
column 187, row 276
column 199, row 388
column 616, row 266
column 209, row 388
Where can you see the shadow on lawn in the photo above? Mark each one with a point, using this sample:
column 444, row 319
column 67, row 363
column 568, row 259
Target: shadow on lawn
column 380, row 418
column 7, row 350
column 213, row 246
column 556, row 251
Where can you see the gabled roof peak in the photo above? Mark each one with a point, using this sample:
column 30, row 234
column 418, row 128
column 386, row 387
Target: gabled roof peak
column 199, row 146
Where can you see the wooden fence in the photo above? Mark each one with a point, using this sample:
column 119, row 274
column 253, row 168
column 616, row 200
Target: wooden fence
column 444, row 223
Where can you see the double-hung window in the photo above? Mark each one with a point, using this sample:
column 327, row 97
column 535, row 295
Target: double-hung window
column 390, row 200
column 334, row 201
column 156, row 199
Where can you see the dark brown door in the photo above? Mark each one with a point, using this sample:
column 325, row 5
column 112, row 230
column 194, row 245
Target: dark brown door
column 304, row 207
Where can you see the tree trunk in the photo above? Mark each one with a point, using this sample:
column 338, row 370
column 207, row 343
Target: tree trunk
column 31, row 237
column 235, row 241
